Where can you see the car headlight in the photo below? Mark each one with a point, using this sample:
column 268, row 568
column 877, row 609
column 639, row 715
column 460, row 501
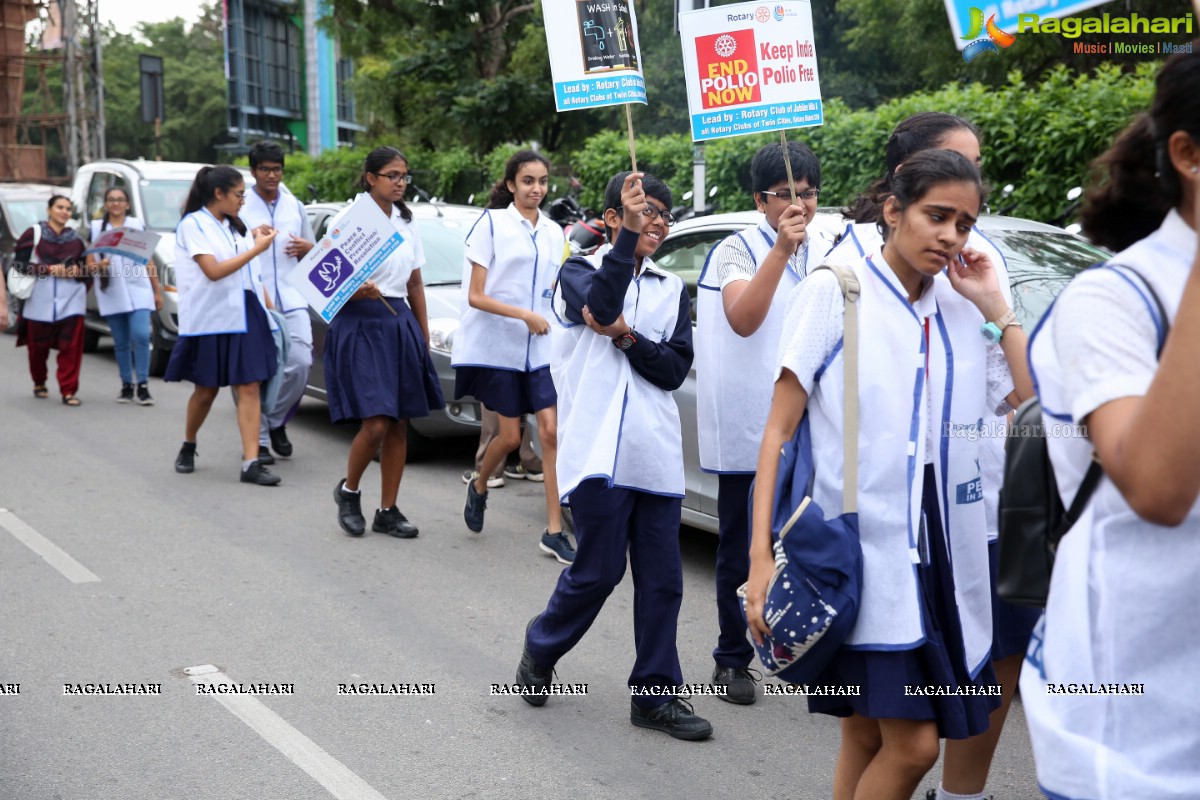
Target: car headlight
column 441, row 334
column 166, row 276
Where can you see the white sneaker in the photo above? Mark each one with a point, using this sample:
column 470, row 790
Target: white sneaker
column 519, row 473
column 493, row 483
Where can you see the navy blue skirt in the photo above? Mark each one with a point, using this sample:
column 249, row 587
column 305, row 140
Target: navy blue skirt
column 937, row 662
column 377, row 364
column 227, row 359
column 507, row 392
column 1011, row 625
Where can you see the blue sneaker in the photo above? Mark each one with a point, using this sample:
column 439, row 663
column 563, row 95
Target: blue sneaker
column 473, row 511
column 558, row 546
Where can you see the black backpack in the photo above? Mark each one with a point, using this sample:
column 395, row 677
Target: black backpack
column 1032, row 517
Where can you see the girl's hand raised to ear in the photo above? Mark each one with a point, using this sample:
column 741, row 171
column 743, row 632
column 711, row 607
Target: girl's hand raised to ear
column 973, row 276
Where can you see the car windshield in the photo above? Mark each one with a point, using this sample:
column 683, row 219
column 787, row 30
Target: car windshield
column 163, row 201
column 1040, row 264
column 26, row 213
column 442, row 238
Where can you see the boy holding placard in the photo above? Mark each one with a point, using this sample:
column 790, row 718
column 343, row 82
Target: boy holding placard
column 743, row 292
column 622, row 343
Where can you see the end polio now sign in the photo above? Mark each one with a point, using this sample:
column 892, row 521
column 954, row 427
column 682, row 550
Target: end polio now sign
column 750, row 68
column 595, row 58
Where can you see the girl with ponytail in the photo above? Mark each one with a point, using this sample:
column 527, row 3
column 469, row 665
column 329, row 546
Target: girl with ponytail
column 225, row 334
column 1117, row 356
column 502, row 349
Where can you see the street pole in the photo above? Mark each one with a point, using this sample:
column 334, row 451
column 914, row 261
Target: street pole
column 699, row 196
column 98, row 78
column 67, row 9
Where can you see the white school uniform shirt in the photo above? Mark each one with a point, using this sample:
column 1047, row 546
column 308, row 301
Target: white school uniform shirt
column 287, row 215
column 613, row 423
column 734, row 373
column 129, row 287
column 207, row 306
column 393, row 274
column 862, row 238
column 522, row 261
column 54, row 299
column 894, row 423
column 1124, row 593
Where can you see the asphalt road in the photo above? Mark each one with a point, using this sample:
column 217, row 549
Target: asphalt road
column 164, row 572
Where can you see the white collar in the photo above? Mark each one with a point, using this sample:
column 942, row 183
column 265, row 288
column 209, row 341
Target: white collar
column 1177, row 235
column 925, row 305
column 520, row 219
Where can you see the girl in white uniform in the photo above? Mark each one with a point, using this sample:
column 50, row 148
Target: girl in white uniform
column 1109, row 682
column 224, row 330
column 502, row 350
column 378, row 373
column 967, row 761
column 918, row 652
column 127, row 293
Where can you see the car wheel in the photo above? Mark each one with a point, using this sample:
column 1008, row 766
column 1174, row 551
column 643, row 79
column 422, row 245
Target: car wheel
column 91, row 340
column 160, row 349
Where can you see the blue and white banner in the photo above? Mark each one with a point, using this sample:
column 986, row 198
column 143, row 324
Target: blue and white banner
column 595, row 58
column 127, row 242
column 750, row 68
column 357, row 243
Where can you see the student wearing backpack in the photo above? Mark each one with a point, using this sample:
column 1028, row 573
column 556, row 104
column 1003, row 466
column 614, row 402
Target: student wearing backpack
column 929, row 312
column 744, row 289
column 1108, row 684
column 967, row 761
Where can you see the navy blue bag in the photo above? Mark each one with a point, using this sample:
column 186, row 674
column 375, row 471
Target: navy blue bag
column 813, row 597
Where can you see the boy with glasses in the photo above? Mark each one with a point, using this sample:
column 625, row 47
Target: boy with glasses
column 743, row 292
column 622, row 343
column 270, row 203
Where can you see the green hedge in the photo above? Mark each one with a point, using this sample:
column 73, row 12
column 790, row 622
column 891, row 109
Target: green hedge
column 1039, row 136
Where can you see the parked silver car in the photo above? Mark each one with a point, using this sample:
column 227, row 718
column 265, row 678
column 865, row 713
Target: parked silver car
column 157, row 191
column 1041, row 260
column 443, row 228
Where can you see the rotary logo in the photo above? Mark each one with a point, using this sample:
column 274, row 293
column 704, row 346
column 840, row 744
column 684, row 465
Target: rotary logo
column 762, row 14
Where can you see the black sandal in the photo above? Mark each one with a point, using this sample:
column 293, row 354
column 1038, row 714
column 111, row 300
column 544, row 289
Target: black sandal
column 71, row 400
column 41, row 392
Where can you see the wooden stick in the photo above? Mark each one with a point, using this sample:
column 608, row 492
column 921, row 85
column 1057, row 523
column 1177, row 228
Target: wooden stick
column 629, row 125
column 787, row 163
column 383, row 300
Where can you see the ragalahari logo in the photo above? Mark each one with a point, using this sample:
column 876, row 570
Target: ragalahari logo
column 329, row 274
column 995, row 38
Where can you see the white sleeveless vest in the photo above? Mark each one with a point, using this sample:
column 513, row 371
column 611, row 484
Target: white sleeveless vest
column 524, row 263
column 613, row 423
column 735, row 374
column 892, row 430
column 54, row 299
column 129, row 286
column 1122, row 604
column 288, row 217
column 208, row 306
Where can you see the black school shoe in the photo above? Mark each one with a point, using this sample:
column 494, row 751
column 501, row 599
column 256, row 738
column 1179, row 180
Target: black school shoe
column 676, row 718
column 350, row 515
column 740, row 682
column 393, row 523
column 126, row 395
column 531, row 675
column 143, row 395
column 258, row 474
column 279, row 441
column 186, row 460
column 264, row 456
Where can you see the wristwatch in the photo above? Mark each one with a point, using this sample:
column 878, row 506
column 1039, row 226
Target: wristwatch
column 994, row 331
column 625, row 341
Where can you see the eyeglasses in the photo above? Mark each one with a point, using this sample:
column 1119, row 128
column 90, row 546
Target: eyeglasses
column 653, row 212
column 116, row 200
column 240, row 195
column 396, row 177
column 807, row 194
column 269, row 170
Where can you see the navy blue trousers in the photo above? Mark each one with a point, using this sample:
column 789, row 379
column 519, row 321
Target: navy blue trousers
column 733, row 567
column 609, row 522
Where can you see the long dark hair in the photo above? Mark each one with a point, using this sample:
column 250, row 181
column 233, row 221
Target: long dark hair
column 204, row 191
column 923, row 131
column 501, row 196
column 1135, row 183
column 376, row 160
column 104, row 220
column 927, row 169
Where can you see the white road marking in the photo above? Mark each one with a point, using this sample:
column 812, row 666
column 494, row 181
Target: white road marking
column 54, row 555
column 326, row 770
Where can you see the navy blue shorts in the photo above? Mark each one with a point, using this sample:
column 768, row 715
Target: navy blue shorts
column 507, row 392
